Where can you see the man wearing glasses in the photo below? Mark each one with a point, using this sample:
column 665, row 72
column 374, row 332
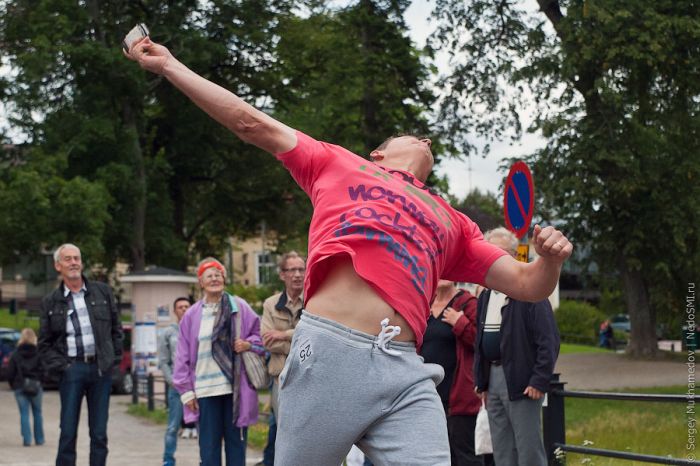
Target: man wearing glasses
column 281, row 313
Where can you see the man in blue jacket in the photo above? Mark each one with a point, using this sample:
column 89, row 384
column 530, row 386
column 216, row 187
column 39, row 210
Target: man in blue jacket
column 517, row 344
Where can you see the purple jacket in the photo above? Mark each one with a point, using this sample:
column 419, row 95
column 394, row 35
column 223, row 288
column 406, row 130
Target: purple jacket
column 186, row 359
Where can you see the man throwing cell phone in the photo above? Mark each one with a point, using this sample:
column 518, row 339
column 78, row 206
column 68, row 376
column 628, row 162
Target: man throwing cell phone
column 379, row 241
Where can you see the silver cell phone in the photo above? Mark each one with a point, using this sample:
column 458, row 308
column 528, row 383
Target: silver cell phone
column 136, row 34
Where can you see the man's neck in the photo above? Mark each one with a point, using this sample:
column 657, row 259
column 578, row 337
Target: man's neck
column 293, row 295
column 74, row 285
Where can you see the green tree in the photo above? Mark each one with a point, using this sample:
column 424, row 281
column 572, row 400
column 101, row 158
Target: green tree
column 175, row 177
column 617, row 93
column 353, row 76
column 483, row 208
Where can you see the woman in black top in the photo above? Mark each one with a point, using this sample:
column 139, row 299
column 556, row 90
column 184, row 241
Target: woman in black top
column 24, row 375
column 449, row 342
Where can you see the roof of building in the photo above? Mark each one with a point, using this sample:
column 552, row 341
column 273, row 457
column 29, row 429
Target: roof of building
column 159, row 274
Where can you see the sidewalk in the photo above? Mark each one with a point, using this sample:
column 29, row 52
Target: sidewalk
column 132, row 441
column 609, row 371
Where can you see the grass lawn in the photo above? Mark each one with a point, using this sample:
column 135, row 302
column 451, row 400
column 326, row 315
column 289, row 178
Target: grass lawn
column 641, row 427
column 22, row 319
column 18, row 321
column 570, row 348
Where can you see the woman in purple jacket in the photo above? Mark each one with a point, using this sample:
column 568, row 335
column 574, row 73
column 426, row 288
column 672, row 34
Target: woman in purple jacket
column 208, row 372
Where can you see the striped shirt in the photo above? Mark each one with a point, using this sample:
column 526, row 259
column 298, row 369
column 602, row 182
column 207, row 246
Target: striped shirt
column 79, row 338
column 491, row 340
column 209, row 379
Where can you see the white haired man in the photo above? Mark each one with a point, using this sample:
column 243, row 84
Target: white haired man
column 80, row 341
column 281, row 314
column 516, row 348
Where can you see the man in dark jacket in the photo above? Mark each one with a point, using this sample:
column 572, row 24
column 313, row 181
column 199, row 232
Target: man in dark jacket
column 80, row 341
column 517, row 344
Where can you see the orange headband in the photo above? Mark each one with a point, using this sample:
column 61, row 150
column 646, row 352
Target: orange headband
column 208, row 265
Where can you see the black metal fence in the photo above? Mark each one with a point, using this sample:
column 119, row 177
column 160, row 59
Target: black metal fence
column 151, row 387
column 554, row 427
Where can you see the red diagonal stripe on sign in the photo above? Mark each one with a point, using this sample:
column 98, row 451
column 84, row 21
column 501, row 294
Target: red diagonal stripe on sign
column 510, row 185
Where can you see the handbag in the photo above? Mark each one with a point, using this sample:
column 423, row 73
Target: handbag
column 253, row 363
column 30, row 386
column 482, row 432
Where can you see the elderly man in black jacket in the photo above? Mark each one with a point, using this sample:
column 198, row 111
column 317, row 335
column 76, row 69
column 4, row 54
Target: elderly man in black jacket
column 80, row 341
column 517, row 344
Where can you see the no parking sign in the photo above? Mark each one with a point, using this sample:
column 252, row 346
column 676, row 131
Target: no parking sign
column 519, row 199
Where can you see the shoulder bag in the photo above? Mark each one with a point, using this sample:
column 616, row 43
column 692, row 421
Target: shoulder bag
column 253, row 363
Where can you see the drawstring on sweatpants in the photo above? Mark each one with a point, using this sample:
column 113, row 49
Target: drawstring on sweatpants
column 387, row 334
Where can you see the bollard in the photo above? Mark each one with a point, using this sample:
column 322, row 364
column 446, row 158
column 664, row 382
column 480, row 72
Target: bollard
column 135, row 389
column 553, row 420
column 151, row 403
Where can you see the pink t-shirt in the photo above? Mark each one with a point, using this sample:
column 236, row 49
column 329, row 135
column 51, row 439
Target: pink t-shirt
column 400, row 235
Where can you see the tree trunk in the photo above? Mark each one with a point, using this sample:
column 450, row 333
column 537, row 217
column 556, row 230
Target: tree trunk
column 642, row 319
column 138, row 241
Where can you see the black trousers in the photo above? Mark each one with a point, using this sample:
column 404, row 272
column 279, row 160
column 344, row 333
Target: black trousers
column 460, row 430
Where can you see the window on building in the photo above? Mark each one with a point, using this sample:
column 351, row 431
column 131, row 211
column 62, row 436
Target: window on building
column 266, row 268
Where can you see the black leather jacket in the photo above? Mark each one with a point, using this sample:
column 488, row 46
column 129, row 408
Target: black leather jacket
column 105, row 321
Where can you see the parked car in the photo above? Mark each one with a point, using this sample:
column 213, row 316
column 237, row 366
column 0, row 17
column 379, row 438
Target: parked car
column 621, row 322
column 122, row 380
column 8, row 342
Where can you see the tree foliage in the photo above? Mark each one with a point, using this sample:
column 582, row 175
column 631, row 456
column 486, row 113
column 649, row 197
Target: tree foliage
column 617, row 92
column 155, row 178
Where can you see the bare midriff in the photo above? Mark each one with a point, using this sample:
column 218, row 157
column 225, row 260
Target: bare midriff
column 346, row 298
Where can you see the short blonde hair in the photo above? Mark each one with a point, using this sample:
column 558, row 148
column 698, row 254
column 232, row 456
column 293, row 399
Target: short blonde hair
column 508, row 235
column 27, row 337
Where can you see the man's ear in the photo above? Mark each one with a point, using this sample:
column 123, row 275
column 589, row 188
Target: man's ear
column 376, row 155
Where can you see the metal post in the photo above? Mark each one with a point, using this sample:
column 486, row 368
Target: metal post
column 135, row 389
column 151, row 401
column 553, row 420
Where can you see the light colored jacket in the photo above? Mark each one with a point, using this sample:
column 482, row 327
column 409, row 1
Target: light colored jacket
column 167, row 344
column 279, row 314
column 186, row 359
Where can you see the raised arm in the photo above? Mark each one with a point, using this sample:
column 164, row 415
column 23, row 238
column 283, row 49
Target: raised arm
column 536, row 280
column 248, row 123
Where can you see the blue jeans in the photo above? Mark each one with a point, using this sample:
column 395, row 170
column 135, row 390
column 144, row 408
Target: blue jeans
column 269, row 451
column 174, row 419
column 24, row 402
column 216, row 423
column 82, row 379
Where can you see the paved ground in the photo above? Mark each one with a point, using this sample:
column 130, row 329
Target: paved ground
column 607, row 371
column 135, row 442
column 132, row 441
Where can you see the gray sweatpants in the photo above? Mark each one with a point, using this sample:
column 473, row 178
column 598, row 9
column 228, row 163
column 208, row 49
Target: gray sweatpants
column 338, row 389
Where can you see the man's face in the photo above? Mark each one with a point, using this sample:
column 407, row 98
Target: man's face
column 70, row 264
column 415, row 150
column 292, row 274
column 180, row 308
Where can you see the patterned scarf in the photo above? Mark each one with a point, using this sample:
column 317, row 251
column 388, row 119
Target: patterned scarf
column 222, row 339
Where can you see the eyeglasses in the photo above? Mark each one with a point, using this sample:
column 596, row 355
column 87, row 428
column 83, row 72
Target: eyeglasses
column 213, row 276
column 294, row 270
